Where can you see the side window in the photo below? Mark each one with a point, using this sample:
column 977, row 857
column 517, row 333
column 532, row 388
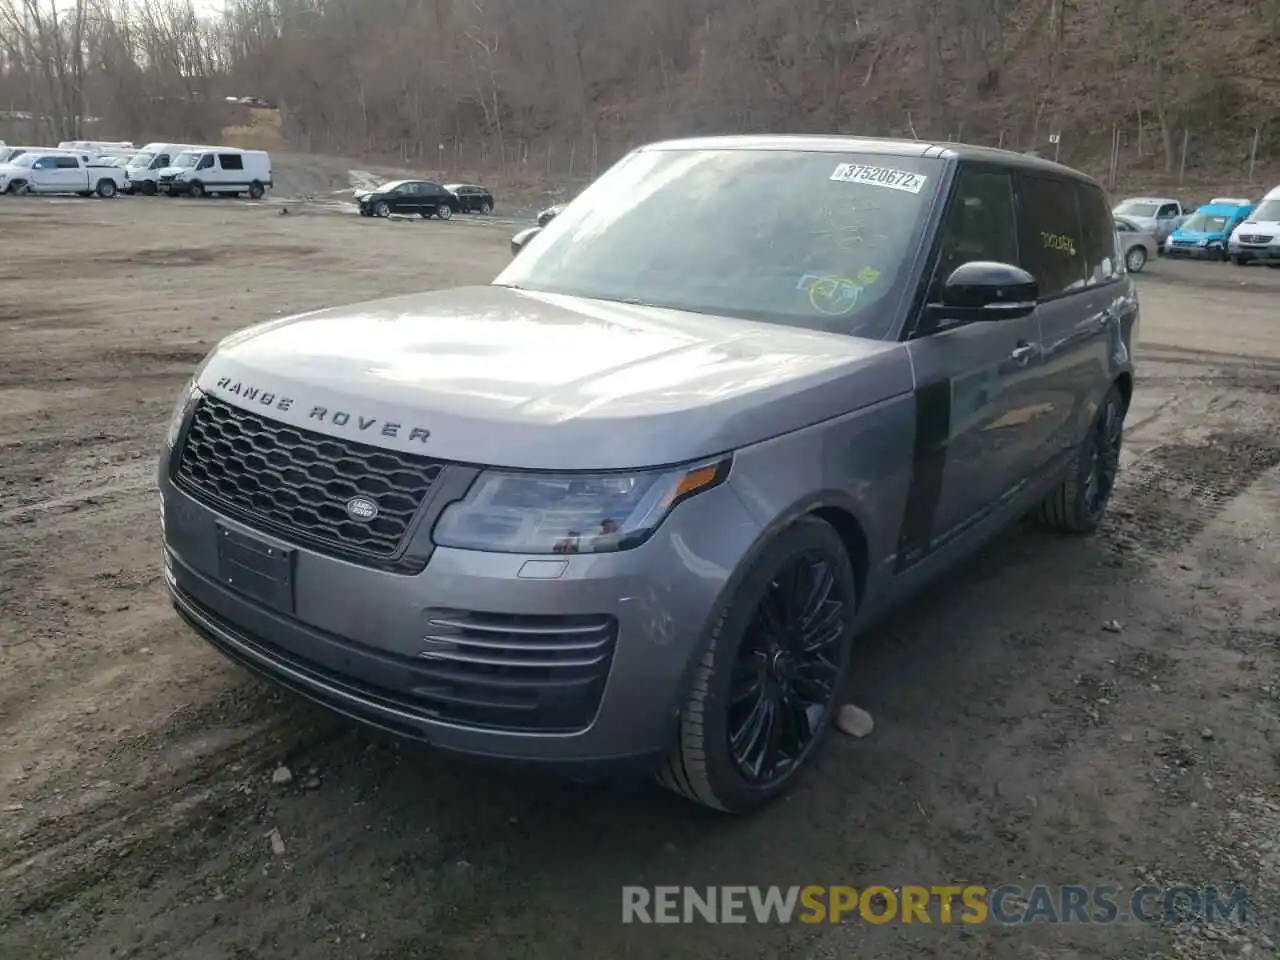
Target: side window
column 1053, row 243
column 980, row 223
column 160, row 161
column 231, row 161
column 44, row 163
column 67, row 163
column 1168, row 210
column 205, row 162
column 432, row 188
column 1097, row 238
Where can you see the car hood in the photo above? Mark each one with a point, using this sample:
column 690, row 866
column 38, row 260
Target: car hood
column 497, row 376
column 1258, row 226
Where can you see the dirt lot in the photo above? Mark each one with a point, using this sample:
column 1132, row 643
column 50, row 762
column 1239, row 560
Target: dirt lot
column 1019, row 739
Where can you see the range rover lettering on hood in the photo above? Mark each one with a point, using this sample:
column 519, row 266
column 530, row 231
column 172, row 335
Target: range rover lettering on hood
column 350, row 420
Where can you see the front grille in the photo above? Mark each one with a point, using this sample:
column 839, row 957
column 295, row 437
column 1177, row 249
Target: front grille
column 1254, row 238
column 526, row 672
column 295, row 483
column 1184, row 243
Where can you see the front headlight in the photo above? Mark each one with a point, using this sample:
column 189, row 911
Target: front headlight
column 508, row 512
column 190, row 394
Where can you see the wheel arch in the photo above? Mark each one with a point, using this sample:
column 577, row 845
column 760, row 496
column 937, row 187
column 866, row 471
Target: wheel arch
column 839, row 511
column 1124, row 383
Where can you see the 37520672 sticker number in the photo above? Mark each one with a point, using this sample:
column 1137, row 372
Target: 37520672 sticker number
column 889, row 177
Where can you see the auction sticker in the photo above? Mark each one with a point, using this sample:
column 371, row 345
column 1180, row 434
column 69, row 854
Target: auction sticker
column 903, row 180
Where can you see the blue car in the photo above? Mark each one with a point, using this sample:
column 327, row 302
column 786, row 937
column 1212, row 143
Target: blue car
column 1204, row 235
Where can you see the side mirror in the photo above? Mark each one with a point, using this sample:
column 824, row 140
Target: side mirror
column 984, row 290
column 521, row 239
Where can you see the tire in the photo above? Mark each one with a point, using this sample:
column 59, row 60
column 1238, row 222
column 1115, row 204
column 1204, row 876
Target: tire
column 256, row 190
column 425, row 214
column 445, row 211
column 1135, row 259
column 196, row 189
column 106, row 189
column 382, row 209
column 701, row 766
column 1238, row 260
column 1274, row 266
column 171, row 192
column 1073, row 507
column 148, row 188
column 486, row 208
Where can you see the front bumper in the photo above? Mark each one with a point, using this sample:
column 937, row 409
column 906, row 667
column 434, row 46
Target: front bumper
column 1212, row 251
column 1250, row 253
column 356, row 637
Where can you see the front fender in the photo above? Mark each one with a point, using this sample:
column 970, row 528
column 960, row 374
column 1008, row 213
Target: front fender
column 859, row 463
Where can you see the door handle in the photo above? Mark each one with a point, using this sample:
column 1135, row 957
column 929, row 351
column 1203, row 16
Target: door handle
column 1022, row 353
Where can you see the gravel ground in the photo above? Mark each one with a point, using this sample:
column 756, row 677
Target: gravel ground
column 1059, row 711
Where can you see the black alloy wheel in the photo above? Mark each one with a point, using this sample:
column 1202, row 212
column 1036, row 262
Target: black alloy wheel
column 1104, row 456
column 787, row 670
column 766, row 686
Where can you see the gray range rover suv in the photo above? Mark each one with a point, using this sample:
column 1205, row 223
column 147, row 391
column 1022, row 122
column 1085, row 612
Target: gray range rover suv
column 633, row 501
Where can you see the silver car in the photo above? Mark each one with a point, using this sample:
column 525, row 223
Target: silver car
column 1137, row 245
column 632, row 502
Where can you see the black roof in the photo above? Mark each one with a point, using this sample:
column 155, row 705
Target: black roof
column 820, row 143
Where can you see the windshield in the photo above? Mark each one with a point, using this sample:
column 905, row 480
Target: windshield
column 1136, row 208
column 24, row 160
column 188, row 158
column 816, row 240
column 1268, row 210
column 1206, row 223
column 141, row 159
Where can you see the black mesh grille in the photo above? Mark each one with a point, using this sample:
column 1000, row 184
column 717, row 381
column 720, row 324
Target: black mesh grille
column 296, row 483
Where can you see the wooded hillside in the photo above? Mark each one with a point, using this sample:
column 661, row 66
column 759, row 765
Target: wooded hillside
column 510, row 82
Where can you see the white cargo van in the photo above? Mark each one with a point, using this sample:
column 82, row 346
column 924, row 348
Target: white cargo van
column 144, row 168
column 1257, row 240
column 222, row 171
column 96, row 147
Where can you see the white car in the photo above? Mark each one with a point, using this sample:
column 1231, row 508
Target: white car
column 1257, row 240
column 147, row 164
column 224, row 171
column 55, row 172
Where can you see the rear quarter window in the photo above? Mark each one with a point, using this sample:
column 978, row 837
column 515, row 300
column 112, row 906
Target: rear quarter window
column 1053, row 241
column 1096, row 234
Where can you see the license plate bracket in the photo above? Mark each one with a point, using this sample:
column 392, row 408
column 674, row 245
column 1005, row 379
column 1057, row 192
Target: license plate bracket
column 256, row 568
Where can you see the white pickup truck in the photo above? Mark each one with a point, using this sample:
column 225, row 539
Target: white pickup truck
column 57, row 172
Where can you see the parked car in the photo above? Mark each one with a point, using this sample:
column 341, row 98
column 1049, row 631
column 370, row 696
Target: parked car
column 9, row 154
column 633, row 500
column 1137, row 245
column 59, row 172
column 1258, row 238
column 1205, row 233
column 423, row 197
column 145, row 165
column 222, row 171
column 471, row 198
column 549, row 214
column 1158, row 216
